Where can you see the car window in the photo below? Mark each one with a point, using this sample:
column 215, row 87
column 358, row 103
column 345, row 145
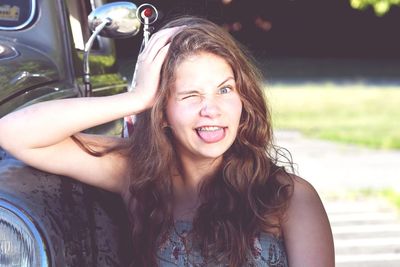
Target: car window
column 16, row 14
column 78, row 13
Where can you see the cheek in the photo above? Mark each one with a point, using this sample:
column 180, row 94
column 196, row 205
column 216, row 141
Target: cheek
column 236, row 108
column 176, row 115
column 240, row 107
column 171, row 111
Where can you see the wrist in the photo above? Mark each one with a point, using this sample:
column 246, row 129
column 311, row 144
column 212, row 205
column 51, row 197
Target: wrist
column 139, row 102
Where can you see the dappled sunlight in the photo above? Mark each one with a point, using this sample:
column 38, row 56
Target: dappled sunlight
column 381, row 7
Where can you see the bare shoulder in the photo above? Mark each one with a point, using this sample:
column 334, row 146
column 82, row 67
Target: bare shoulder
column 306, row 228
column 303, row 192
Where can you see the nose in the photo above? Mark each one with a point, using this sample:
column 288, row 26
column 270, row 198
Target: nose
column 210, row 107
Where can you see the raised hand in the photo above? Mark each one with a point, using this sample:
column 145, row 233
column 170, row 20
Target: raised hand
column 149, row 65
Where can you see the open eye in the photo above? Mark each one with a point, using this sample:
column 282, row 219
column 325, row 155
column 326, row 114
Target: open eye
column 225, row 90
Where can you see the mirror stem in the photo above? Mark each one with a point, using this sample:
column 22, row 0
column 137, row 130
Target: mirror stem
column 88, row 47
column 146, row 30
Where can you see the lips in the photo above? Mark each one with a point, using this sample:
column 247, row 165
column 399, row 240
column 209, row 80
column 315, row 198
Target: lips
column 211, row 134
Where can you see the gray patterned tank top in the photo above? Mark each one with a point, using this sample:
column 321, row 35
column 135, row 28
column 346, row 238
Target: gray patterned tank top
column 267, row 251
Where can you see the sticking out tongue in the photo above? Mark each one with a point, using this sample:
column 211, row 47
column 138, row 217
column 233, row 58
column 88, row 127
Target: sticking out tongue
column 211, row 136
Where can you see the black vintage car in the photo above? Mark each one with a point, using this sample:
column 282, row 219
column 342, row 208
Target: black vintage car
column 45, row 219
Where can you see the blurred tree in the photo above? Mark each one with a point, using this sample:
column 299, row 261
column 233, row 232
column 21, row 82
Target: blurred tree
column 381, row 7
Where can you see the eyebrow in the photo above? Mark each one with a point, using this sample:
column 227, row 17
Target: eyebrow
column 196, row 91
column 227, row 79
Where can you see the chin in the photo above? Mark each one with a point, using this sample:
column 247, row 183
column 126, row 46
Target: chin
column 213, row 153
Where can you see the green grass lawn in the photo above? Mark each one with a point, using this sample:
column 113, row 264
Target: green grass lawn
column 357, row 114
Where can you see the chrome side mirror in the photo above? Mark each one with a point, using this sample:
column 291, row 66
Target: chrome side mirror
column 116, row 20
column 121, row 17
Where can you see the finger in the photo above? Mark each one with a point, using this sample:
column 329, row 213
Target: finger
column 162, row 53
column 158, row 41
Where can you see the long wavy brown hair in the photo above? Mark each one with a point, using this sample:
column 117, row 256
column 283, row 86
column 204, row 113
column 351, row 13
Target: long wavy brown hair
column 247, row 194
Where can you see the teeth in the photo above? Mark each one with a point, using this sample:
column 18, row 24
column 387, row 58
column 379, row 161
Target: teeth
column 209, row 128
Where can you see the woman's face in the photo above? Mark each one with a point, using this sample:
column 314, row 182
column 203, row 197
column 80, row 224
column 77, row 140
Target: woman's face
column 204, row 108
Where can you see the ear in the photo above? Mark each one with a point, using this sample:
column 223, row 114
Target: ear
column 164, row 124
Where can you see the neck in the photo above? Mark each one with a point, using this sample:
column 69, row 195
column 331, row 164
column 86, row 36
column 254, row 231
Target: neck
column 186, row 184
column 193, row 172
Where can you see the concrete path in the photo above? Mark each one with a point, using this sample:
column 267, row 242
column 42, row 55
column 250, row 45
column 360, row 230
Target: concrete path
column 333, row 167
column 366, row 229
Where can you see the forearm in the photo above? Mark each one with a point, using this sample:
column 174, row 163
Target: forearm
column 48, row 123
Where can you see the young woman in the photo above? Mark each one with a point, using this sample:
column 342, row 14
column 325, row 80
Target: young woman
column 198, row 174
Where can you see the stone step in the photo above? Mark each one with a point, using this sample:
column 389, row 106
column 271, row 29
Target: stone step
column 357, row 206
column 366, row 233
column 382, row 234
column 366, row 242
column 369, row 264
column 370, row 245
column 368, row 260
column 365, row 218
column 366, row 230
